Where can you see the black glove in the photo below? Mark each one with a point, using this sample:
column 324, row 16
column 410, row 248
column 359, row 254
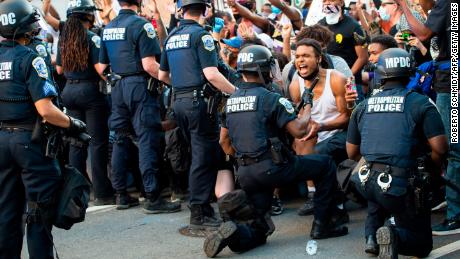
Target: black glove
column 76, row 126
column 307, row 98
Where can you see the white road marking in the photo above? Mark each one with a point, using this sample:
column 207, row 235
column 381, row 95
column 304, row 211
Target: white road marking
column 444, row 250
column 99, row 208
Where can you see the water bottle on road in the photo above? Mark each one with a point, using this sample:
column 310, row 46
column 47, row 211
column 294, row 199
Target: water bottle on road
column 311, row 247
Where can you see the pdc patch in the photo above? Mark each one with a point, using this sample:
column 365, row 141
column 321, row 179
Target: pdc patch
column 242, row 104
column 148, row 27
column 6, row 71
column 41, row 50
column 40, row 66
column 208, row 42
column 180, row 41
column 114, row 34
column 287, row 105
column 97, row 41
column 385, row 104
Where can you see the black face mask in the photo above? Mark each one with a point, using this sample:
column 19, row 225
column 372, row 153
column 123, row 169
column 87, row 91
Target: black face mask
column 311, row 76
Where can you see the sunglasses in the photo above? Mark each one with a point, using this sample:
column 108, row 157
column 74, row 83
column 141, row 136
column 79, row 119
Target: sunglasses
column 387, row 3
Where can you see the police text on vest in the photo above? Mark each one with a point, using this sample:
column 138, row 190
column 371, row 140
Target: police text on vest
column 385, row 104
column 5, row 70
column 114, row 34
column 180, row 41
column 242, row 104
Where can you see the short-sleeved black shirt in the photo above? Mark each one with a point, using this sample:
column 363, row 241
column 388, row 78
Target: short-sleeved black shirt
column 439, row 22
column 186, row 52
column 344, row 42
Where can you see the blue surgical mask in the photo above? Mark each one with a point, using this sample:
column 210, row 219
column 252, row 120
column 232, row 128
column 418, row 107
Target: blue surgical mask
column 383, row 14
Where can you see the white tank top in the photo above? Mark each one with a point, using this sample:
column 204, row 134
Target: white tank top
column 324, row 108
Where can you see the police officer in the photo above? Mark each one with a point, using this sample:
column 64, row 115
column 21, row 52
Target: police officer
column 389, row 179
column 129, row 44
column 188, row 61
column 26, row 174
column 78, row 59
column 253, row 132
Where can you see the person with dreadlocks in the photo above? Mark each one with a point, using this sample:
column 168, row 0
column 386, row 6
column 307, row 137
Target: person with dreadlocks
column 77, row 59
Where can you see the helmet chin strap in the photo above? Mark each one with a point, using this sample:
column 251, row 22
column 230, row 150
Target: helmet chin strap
column 266, row 82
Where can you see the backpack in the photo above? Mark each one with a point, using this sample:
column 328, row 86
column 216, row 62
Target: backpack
column 177, row 150
column 74, row 198
column 424, row 77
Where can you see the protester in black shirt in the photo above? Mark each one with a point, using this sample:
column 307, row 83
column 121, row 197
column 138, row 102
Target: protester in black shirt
column 350, row 40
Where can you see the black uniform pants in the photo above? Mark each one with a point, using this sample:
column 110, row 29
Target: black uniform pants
column 203, row 135
column 135, row 110
column 25, row 174
column 413, row 230
column 84, row 102
column 258, row 181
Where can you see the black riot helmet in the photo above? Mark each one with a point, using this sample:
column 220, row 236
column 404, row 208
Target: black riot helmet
column 17, row 17
column 132, row 2
column 81, row 7
column 258, row 59
column 394, row 63
column 191, row 2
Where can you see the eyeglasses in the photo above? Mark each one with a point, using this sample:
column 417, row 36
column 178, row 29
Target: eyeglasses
column 387, row 3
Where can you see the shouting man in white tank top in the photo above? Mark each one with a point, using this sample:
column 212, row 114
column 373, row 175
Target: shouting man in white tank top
column 325, row 88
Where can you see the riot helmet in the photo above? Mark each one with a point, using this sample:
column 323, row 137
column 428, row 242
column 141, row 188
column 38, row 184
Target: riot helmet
column 257, row 59
column 81, row 7
column 393, row 63
column 17, row 17
column 132, row 2
column 185, row 3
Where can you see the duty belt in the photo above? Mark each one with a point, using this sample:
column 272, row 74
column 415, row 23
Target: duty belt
column 385, row 174
column 77, row 81
column 16, row 126
column 245, row 161
column 192, row 94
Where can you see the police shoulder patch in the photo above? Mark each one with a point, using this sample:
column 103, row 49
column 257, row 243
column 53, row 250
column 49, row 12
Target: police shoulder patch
column 40, row 66
column 41, row 50
column 287, row 105
column 148, row 27
column 97, row 41
column 208, row 42
column 49, row 89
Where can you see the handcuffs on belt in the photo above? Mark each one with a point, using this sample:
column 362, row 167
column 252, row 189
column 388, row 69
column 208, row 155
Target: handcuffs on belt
column 383, row 180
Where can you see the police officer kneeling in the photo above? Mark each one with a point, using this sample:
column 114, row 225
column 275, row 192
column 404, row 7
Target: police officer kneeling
column 388, row 130
column 256, row 121
column 25, row 172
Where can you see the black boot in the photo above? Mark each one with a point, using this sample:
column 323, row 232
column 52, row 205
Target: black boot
column 216, row 241
column 154, row 204
column 387, row 243
column 371, row 245
column 321, row 230
column 340, row 217
column 202, row 217
column 124, row 201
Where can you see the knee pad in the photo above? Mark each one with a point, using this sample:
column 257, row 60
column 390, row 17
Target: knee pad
column 236, row 206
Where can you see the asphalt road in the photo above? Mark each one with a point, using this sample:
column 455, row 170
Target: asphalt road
column 127, row 234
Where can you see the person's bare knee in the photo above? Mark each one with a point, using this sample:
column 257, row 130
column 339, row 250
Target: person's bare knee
column 224, row 183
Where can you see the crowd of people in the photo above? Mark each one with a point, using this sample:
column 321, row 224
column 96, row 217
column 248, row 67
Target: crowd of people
column 232, row 102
